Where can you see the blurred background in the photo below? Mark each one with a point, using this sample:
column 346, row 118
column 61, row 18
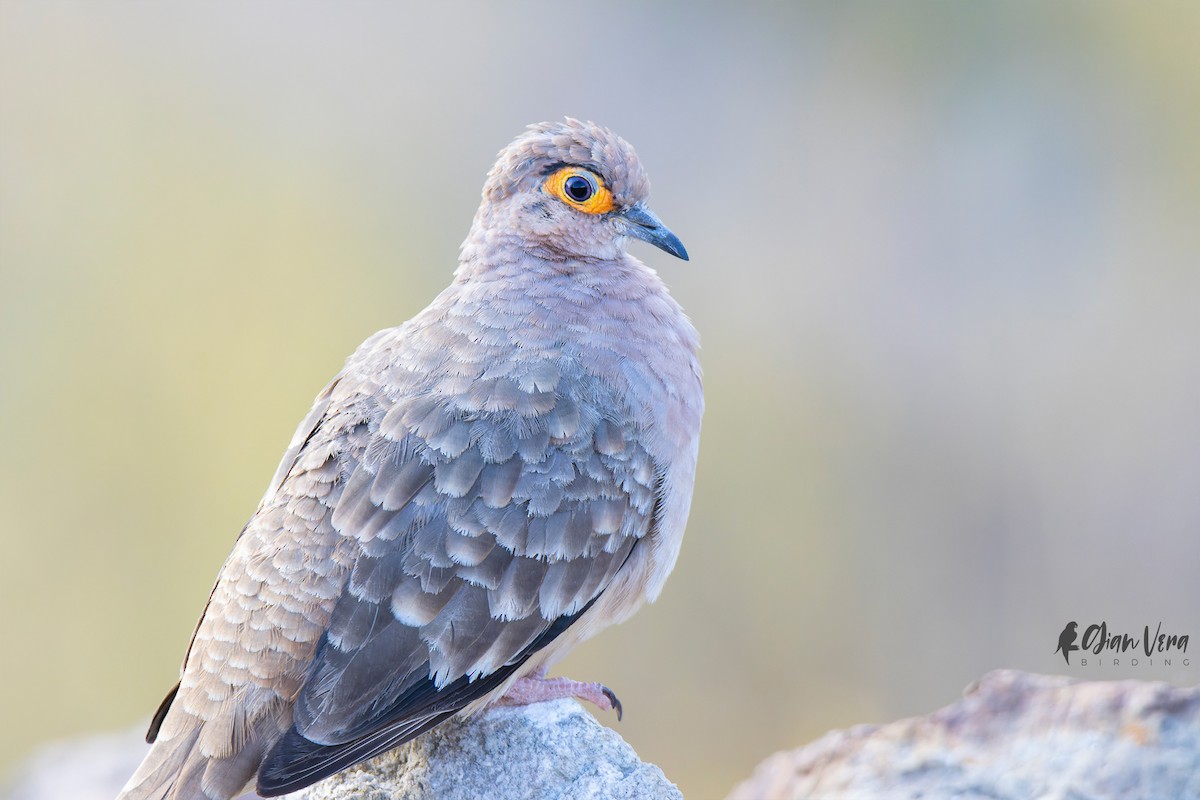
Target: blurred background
column 945, row 263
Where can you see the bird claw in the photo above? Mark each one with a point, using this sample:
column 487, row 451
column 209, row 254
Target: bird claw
column 614, row 703
column 535, row 688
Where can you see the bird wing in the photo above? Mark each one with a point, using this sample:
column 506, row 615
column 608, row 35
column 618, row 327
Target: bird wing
column 482, row 532
column 308, row 426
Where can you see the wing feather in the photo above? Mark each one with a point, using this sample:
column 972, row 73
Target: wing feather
column 296, row 761
column 482, row 534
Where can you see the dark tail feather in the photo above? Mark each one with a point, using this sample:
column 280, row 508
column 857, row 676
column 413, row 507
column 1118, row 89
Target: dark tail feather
column 161, row 714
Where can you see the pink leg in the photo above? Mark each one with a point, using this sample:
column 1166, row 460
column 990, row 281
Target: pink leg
column 536, row 688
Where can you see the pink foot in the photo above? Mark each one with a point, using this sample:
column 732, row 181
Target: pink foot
column 536, row 688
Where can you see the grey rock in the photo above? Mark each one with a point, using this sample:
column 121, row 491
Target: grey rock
column 543, row 751
column 546, row 750
column 1013, row 736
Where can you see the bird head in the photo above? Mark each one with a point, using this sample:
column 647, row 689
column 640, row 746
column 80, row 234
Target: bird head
column 571, row 190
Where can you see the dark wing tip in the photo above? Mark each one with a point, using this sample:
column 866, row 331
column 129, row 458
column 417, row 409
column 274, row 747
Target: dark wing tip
column 296, row 762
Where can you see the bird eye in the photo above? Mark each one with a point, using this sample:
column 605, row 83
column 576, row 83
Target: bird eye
column 579, row 188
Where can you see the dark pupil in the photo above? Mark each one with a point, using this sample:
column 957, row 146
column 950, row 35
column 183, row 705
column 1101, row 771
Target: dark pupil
column 579, row 188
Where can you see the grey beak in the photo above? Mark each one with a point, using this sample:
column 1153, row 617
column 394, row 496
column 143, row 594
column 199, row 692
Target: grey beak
column 645, row 225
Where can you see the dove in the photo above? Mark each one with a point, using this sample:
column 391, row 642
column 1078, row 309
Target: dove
column 476, row 492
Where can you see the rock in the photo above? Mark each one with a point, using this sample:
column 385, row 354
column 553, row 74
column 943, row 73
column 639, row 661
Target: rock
column 547, row 750
column 1013, row 736
column 543, row 751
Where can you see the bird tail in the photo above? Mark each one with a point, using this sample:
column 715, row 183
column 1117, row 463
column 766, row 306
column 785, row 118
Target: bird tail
column 180, row 765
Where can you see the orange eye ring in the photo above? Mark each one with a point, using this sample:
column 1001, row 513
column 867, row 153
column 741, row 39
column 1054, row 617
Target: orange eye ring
column 581, row 189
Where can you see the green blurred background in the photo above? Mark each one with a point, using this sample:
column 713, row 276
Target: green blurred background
column 945, row 261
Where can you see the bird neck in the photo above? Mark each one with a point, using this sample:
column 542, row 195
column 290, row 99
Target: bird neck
column 515, row 263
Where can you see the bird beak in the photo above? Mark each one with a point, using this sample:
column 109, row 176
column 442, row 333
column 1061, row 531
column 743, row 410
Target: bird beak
column 645, row 225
